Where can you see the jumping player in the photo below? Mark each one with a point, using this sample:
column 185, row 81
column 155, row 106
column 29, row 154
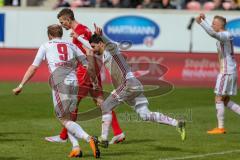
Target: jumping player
column 128, row 88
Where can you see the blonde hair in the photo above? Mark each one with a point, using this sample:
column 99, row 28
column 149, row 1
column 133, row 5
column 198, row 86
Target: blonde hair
column 55, row 30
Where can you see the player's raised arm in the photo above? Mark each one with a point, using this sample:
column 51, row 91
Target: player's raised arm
column 98, row 31
column 31, row 70
column 215, row 30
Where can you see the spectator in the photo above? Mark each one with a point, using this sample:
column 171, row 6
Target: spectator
column 149, row 4
column 116, row 4
column 165, row 4
column 230, row 5
column 218, row 5
column 99, row 3
column 12, row 2
column 61, row 3
column 80, row 3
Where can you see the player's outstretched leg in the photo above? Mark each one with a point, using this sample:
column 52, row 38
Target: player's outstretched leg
column 119, row 136
column 233, row 106
column 147, row 115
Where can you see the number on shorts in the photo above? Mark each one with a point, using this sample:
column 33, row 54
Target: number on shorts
column 62, row 50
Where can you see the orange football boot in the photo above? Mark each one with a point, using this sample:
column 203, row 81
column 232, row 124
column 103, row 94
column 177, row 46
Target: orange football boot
column 217, row 131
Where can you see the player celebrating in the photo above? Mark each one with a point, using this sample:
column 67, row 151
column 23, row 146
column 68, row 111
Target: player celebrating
column 226, row 84
column 60, row 56
column 67, row 20
column 128, row 88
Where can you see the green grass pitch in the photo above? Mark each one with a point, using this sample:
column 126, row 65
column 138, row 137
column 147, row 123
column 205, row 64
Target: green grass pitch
column 26, row 119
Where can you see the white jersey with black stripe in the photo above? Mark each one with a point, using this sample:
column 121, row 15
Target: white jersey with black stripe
column 116, row 64
column 224, row 44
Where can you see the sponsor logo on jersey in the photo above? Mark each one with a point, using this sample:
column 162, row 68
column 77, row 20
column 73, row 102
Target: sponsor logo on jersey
column 234, row 27
column 134, row 29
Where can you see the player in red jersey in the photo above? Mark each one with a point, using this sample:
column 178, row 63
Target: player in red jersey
column 67, row 20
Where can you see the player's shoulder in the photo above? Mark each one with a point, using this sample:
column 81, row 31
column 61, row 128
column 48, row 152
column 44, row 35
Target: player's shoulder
column 228, row 34
column 82, row 28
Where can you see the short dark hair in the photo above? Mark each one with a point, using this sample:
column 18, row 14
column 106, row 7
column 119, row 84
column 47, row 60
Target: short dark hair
column 66, row 12
column 95, row 39
column 222, row 19
column 55, row 30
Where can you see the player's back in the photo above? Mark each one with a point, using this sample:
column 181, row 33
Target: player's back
column 60, row 54
column 117, row 65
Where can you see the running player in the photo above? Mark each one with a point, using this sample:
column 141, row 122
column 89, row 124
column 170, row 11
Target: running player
column 60, row 56
column 67, row 20
column 128, row 88
column 226, row 84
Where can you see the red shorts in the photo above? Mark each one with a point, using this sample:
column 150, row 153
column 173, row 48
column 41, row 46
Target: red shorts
column 85, row 85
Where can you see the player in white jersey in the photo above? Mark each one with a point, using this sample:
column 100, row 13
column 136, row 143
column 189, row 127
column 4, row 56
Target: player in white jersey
column 226, row 84
column 61, row 57
column 127, row 88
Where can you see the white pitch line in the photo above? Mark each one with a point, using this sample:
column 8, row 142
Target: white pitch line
column 201, row 155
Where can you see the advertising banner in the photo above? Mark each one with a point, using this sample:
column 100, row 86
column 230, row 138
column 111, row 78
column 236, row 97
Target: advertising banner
column 178, row 69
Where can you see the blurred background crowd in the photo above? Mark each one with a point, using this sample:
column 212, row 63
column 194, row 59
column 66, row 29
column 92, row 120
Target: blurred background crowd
column 139, row 4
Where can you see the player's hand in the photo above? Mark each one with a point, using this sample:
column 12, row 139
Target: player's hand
column 74, row 35
column 17, row 90
column 198, row 19
column 98, row 30
column 202, row 15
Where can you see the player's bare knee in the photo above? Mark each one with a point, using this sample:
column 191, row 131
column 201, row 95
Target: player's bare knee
column 219, row 99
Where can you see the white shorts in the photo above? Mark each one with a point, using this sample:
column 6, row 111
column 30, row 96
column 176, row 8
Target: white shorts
column 226, row 84
column 130, row 92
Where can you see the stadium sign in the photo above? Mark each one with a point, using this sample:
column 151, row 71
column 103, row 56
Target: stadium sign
column 134, row 29
column 234, row 27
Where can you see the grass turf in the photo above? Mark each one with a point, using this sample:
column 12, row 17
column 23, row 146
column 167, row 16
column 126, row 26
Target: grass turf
column 26, row 119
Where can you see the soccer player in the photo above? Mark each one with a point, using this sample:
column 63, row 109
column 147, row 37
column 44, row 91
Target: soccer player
column 60, row 56
column 67, row 20
column 128, row 88
column 226, row 84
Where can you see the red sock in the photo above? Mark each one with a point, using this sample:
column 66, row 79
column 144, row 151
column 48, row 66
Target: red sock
column 63, row 134
column 115, row 125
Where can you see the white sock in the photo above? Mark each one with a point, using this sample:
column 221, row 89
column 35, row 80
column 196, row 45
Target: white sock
column 77, row 131
column 234, row 107
column 220, row 114
column 161, row 118
column 146, row 115
column 106, row 123
column 73, row 140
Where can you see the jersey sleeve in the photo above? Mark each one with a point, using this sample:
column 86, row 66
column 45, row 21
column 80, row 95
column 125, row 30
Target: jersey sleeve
column 40, row 56
column 84, row 42
column 221, row 36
